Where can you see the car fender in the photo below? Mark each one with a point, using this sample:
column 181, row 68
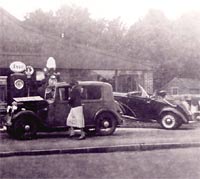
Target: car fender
column 119, row 121
column 29, row 113
column 175, row 111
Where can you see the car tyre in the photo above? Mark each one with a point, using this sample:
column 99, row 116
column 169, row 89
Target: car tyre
column 170, row 121
column 10, row 131
column 25, row 128
column 90, row 131
column 106, row 124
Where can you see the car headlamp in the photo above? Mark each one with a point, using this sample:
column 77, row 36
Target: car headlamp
column 8, row 109
column 14, row 106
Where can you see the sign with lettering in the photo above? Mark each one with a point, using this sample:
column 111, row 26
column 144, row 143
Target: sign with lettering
column 29, row 70
column 17, row 66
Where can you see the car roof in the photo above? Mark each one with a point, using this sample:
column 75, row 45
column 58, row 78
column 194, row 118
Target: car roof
column 93, row 83
column 60, row 84
column 121, row 94
column 100, row 83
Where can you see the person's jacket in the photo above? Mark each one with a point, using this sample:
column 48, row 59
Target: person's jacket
column 75, row 96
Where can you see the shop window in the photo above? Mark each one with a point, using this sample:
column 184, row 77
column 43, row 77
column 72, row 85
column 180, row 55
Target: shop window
column 3, row 89
column 2, row 93
column 40, row 75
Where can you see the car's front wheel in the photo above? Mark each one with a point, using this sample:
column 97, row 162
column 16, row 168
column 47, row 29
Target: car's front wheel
column 10, row 131
column 25, row 128
column 105, row 124
column 170, row 121
column 90, row 131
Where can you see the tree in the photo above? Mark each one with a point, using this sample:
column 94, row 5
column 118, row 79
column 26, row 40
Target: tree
column 74, row 22
column 44, row 21
column 173, row 47
column 112, row 36
column 186, row 41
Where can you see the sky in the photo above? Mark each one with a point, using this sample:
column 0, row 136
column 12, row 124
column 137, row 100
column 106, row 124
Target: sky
column 128, row 10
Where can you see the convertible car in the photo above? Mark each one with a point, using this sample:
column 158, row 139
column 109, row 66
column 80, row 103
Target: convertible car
column 139, row 105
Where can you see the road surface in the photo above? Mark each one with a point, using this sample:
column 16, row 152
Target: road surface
column 172, row 163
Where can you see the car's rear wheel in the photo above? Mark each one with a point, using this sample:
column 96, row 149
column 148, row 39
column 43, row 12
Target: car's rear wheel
column 170, row 121
column 106, row 124
column 25, row 128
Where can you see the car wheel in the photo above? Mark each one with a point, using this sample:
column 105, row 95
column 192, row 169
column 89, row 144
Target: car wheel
column 25, row 128
column 170, row 121
column 106, row 124
column 10, row 131
column 90, row 131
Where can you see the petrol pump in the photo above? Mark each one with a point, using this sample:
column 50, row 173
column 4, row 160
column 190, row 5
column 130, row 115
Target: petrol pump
column 24, row 81
column 19, row 81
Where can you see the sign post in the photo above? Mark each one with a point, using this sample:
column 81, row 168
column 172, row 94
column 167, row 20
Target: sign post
column 29, row 71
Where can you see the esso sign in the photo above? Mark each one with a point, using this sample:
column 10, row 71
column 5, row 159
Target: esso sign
column 17, row 66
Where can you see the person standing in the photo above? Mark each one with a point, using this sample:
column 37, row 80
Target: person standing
column 76, row 117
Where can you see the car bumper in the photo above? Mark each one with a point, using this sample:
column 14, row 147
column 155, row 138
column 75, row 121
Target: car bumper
column 8, row 121
column 192, row 118
column 196, row 116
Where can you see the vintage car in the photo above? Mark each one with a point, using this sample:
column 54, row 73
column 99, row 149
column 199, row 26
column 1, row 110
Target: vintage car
column 29, row 115
column 139, row 105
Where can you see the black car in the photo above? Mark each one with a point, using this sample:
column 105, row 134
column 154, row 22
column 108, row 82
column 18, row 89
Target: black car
column 29, row 115
column 141, row 106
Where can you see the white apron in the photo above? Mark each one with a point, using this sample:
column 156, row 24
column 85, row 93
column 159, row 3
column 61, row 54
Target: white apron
column 76, row 118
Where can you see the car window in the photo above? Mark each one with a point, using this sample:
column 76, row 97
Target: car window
column 63, row 93
column 49, row 93
column 91, row 92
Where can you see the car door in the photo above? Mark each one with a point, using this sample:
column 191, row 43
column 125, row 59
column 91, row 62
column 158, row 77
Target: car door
column 92, row 101
column 142, row 106
column 61, row 105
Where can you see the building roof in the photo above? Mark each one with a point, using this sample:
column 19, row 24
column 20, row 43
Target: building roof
column 183, row 83
column 68, row 55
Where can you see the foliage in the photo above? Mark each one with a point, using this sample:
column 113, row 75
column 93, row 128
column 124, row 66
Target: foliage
column 173, row 47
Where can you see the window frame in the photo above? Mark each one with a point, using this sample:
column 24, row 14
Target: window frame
column 174, row 88
column 61, row 94
column 91, row 99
